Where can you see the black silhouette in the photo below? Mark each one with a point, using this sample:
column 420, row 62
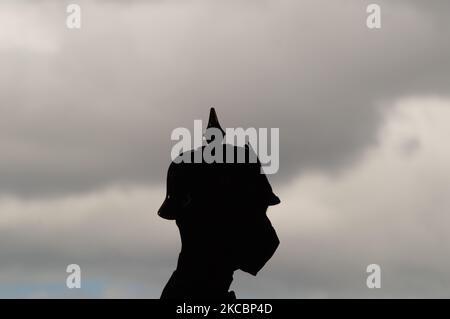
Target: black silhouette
column 220, row 210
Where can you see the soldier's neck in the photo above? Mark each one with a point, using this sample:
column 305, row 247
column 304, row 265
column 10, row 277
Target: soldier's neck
column 206, row 268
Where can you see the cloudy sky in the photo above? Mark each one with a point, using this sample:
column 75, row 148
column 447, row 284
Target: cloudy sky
column 86, row 117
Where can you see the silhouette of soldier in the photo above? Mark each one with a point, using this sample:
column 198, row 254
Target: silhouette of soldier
column 220, row 210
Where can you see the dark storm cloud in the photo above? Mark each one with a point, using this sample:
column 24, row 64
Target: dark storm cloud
column 100, row 108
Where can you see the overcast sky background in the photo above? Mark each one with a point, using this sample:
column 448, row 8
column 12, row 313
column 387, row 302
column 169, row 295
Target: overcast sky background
column 86, row 117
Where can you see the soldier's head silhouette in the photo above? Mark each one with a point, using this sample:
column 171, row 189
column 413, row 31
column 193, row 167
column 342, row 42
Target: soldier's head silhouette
column 220, row 210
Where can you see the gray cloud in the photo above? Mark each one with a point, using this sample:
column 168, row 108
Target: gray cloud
column 115, row 236
column 388, row 209
column 96, row 107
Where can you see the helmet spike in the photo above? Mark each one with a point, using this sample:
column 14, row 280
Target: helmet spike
column 214, row 121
